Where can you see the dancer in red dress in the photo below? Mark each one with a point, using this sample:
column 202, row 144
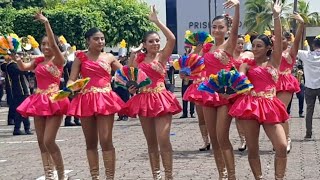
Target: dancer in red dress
column 96, row 104
column 287, row 83
column 154, row 104
column 47, row 114
column 192, row 94
column 261, row 106
column 239, row 55
column 215, row 106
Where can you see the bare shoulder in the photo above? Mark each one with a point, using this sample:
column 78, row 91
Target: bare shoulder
column 108, row 56
column 247, row 55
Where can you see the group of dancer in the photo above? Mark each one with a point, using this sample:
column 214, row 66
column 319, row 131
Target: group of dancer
column 269, row 68
column 96, row 104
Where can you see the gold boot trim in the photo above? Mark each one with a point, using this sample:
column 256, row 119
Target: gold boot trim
column 109, row 159
column 255, row 166
column 93, row 160
column 167, row 164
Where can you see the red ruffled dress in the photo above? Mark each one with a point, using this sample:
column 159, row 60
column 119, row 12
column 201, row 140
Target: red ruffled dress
column 287, row 82
column 97, row 98
column 261, row 103
column 192, row 93
column 48, row 80
column 153, row 100
column 214, row 62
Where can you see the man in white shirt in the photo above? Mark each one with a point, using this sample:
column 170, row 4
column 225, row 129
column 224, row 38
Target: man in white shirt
column 311, row 68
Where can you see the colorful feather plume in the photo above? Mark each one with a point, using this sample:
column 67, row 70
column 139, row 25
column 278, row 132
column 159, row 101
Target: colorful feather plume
column 190, row 65
column 226, row 82
column 9, row 45
column 78, row 85
column 131, row 76
column 200, row 37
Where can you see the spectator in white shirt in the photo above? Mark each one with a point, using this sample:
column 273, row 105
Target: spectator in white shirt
column 311, row 69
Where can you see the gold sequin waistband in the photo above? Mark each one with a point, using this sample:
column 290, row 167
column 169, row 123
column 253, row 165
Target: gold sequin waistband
column 51, row 89
column 286, row 72
column 94, row 89
column 159, row 88
column 266, row 94
column 199, row 80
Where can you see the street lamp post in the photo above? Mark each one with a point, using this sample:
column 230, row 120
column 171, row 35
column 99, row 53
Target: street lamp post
column 209, row 26
column 295, row 9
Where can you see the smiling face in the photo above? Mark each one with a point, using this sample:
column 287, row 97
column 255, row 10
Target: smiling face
column 260, row 49
column 45, row 47
column 219, row 28
column 96, row 41
column 152, row 43
column 285, row 42
column 240, row 43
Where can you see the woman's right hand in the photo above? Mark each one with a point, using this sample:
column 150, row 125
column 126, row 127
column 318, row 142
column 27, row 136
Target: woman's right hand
column 132, row 89
column 40, row 17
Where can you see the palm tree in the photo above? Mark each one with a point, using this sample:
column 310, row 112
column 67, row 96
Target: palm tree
column 310, row 18
column 258, row 16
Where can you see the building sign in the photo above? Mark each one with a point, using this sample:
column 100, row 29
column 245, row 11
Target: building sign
column 194, row 16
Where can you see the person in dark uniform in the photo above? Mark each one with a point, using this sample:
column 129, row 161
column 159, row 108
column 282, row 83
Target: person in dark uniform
column 20, row 91
column 186, row 82
column 123, row 93
column 66, row 74
column 11, row 112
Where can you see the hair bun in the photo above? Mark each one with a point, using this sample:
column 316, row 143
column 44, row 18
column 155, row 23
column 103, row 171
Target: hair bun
column 229, row 19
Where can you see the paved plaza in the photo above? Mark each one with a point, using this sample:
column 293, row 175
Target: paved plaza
column 20, row 156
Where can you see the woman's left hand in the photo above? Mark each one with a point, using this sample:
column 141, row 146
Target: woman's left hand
column 153, row 14
column 277, row 7
column 230, row 3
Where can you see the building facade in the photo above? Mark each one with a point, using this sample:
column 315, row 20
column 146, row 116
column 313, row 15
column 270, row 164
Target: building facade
column 195, row 15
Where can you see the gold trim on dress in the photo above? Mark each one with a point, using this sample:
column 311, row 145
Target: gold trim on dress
column 53, row 70
column 266, row 94
column 94, row 89
column 199, row 80
column 285, row 72
column 159, row 88
column 52, row 88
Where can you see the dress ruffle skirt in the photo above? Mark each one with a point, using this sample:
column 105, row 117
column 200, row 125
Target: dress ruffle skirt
column 192, row 94
column 152, row 105
column 95, row 103
column 41, row 105
column 213, row 100
column 288, row 83
column 263, row 110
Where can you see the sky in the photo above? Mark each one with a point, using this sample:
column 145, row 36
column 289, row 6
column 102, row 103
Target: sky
column 314, row 5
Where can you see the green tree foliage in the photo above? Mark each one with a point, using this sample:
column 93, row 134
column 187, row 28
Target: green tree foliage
column 72, row 23
column 258, row 16
column 7, row 16
column 310, row 18
column 118, row 19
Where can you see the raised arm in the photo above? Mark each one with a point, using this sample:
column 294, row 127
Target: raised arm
column 171, row 39
column 295, row 47
column 277, row 46
column 233, row 36
column 58, row 56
